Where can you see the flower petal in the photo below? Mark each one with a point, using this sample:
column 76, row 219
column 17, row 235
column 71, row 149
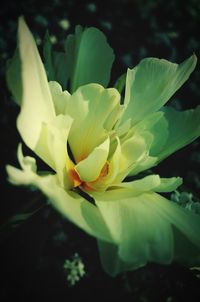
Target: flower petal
column 37, row 105
column 90, row 168
column 71, row 205
column 157, row 126
column 142, row 232
column 134, row 151
column 57, row 135
column 59, row 97
column 91, row 106
column 139, row 232
column 113, row 169
column 152, row 183
column 183, row 128
column 169, row 184
column 186, row 221
column 152, row 83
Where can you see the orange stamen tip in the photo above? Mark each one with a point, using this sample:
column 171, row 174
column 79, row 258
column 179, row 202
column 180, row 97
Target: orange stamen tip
column 85, row 186
column 76, row 179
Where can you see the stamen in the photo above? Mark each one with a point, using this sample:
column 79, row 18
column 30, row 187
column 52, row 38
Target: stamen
column 74, row 175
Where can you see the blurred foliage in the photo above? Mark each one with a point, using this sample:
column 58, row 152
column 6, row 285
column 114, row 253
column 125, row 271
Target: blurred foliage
column 33, row 255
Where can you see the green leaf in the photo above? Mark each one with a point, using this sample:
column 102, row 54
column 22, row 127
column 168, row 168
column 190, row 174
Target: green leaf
column 56, row 63
column 47, row 53
column 61, row 68
column 152, row 83
column 90, row 57
column 16, row 220
column 13, row 77
column 120, row 83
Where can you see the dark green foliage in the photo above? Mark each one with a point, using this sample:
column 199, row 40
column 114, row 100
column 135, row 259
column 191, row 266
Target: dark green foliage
column 13, row 77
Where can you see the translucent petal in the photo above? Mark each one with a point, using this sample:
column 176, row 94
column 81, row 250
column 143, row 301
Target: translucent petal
column 59, row 97
column 90, row 168
column 169, row 184
column 134, row 188
column 139, row 232
column 142, row 229
column 58, row 132
column 183, row 128
column 152, row 83
column 171, row 132
column 113, row 169
column 37, row 106
column 134, row 151
column 184, row 220
column 157, row 126
column 69, row 204
column 91, row 107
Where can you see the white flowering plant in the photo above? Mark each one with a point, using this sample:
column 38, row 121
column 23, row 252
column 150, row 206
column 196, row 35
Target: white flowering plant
column 92, row 139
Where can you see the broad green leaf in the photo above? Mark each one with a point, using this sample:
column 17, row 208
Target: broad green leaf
column 48, row 58
column 61, row 68
column 56, row 63
column 152, row 83
column 37, row 105
column 13, row 77
column 90, row 57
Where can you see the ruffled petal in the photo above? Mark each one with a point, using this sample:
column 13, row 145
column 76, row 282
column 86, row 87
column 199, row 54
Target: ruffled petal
column 75, row 208
column 59, row 97
column 142, row 229
column 91, row 107
column 90, row 168
column 151, row 84
column 183, row 128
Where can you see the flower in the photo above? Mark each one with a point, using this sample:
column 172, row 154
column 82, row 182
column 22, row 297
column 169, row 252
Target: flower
column 92, row 143
column 74, row 269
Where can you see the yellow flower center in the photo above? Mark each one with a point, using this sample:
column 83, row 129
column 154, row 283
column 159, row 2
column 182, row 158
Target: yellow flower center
column 87, row 186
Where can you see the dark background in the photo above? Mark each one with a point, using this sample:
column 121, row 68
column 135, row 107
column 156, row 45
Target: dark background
column 33, row 251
